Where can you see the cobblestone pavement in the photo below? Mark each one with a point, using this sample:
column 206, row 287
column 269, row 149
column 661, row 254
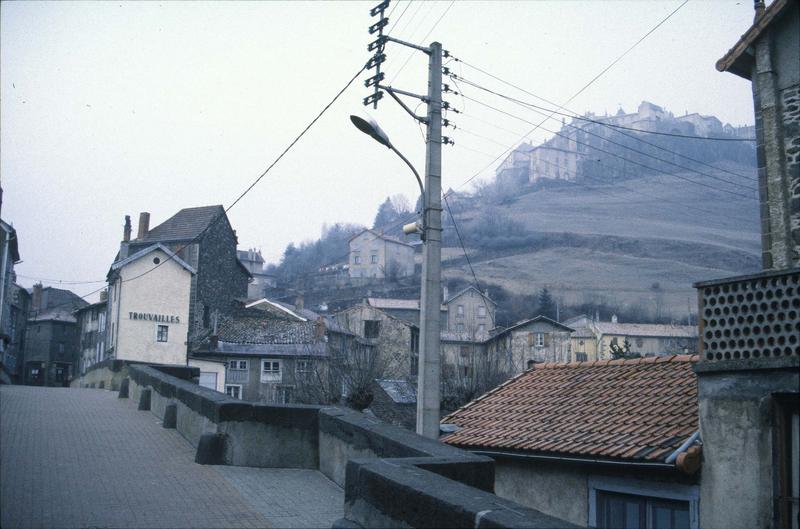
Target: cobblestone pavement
column 84, row 458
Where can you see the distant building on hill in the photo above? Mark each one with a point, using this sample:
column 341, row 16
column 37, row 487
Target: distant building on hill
column 586, row 147
column 254, row 263
column 378, row 256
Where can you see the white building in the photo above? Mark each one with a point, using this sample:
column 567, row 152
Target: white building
column 148, row 307
column 375, row 255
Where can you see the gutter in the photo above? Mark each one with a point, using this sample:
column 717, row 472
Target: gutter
column 634, row 464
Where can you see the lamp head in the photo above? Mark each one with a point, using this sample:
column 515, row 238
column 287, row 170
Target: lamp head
column 372, row 129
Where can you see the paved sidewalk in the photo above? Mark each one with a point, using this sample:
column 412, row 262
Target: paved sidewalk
column 84, row 458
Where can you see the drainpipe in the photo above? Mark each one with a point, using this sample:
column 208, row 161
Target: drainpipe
column 682, row 448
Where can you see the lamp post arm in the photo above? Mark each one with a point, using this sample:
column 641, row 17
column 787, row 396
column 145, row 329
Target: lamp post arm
column 419, row 180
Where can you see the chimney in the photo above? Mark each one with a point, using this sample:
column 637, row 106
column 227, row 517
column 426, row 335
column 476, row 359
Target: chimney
column 126, row 233
column 759, row 7
column 298, row 302
column 103, row 295
column 319, row 329
column 36, row 302
column 213, row 342
column 144, row 225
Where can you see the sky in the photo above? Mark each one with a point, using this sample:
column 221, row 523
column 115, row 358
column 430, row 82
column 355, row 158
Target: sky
column 108, row 109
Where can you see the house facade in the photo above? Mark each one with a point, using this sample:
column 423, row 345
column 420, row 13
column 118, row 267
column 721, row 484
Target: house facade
column 10, row 347
column 607, row 445
column 149, row 295
column 535, row 340
column 470, row 313
column 203, row 238
column 51, row 337
column 272, row 353
column 254, row 263
column 595, row 340
column 378, row 256
column 92, row 333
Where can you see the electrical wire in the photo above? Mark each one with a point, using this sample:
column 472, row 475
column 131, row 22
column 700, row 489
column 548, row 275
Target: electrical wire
column 245, row 192
column 543, row 111
column 610, row 153
column 411, row 53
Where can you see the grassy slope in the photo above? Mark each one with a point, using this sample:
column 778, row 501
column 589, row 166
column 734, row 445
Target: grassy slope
column 629, row 239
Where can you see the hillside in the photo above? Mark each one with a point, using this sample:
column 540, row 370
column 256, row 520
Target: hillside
column 638, row 242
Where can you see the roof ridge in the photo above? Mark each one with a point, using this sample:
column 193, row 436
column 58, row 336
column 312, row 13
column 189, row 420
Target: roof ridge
column 661, row 359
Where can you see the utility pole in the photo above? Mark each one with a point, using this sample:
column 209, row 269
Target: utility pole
column 429, row 376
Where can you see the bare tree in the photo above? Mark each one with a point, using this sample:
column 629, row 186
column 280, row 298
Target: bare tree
column 474, row 372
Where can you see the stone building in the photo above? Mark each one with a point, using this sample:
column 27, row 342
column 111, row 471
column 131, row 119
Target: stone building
column 749, row 367
column 9, row 256
column 204, row 239
column 92, row 333
column 580, row 147
column 149, row 295
column 51, row 337
column 378, row 256
column 13, row 359
column 470, row 313
column 767, row 56
column 394, row 341
column 272, row 354
column 538, row 339
column 593, row 339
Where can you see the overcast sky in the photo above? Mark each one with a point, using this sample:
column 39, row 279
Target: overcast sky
column 114, row 108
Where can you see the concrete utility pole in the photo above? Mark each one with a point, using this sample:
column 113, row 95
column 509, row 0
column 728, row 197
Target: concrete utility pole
column 429, row 377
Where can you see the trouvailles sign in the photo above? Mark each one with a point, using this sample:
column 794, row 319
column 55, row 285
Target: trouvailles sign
column 161, row 318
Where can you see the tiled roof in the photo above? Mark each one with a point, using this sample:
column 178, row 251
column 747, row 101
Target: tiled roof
column 262, row 330
column 378, row 235
column 186, row 224
column 390, row 303
column 646, row 329
column 739, row 59
column 144, row 251
column 635, row 410
column 400, row 391
column 471, row 287
column 540, row 318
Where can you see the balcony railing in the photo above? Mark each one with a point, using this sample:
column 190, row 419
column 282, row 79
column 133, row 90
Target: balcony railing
column 752, row 318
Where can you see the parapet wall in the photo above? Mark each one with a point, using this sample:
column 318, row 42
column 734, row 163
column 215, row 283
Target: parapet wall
column 391, row 477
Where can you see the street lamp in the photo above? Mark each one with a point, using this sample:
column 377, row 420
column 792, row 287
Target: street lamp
column 373, row 130
column 429, row 374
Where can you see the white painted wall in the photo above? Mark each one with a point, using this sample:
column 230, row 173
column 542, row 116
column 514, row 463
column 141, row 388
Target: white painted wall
column 165, row 291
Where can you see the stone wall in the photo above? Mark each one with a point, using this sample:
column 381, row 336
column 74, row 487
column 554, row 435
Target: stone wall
column 391, row 477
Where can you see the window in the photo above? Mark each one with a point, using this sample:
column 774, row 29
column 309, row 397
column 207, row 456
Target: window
column 538, row 339
column 460, row 311
column 238, row 365
column 303, row 367
column 464, row 351
column 623, row 503
column 581, row 357
column 356, row 259
column 208, row 379
column 372, row 328
column 373, row 259
column 459, row 327
column 414, row 341
column 206, row 317
column 639, row 342
column 270, row 371
column 234, row 390
column 61, row 348
column 481, row 328
column 481, row 311
column 162, row 333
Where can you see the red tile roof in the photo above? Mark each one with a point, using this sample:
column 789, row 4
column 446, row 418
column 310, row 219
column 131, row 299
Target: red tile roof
column 637, row 410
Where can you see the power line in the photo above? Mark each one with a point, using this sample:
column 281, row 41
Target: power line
column 246, row 191
column 543, row 110
column 576, row 94
column 411, row 53
column 397, row 21
column 575, row 115
column 539, row 125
